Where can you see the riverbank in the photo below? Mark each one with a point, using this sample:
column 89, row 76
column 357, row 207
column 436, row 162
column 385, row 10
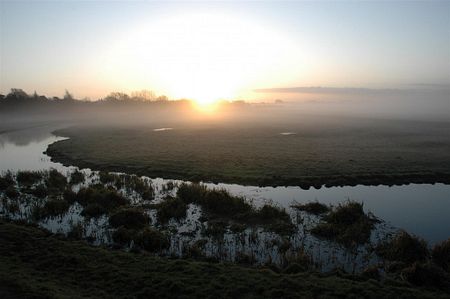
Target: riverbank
column 260, row 156
column 37, row 264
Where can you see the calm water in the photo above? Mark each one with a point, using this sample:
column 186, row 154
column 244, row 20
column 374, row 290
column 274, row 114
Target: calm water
column 422, row 209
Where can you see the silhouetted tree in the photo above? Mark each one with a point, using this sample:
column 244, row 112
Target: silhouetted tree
column 143, row 95
column 68, row 96
column 117, row 96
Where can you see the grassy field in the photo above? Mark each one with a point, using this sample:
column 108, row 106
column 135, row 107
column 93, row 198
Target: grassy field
column 344, row 152
column 36, row 264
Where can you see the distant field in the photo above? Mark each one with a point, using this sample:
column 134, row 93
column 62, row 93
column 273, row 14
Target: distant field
column 331, row 152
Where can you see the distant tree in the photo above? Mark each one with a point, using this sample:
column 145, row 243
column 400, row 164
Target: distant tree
column 18, row 93
column 143, row 95
column 162, row 98
column 68, row 96
column 117, row 96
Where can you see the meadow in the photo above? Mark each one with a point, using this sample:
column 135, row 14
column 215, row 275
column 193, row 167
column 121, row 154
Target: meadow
column 328, row 151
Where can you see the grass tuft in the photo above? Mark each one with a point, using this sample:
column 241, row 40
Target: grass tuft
column 129, row 218
column 347, row 224
column 441, row 255
column 171, row 207
column 314, row 207
column 405, row 248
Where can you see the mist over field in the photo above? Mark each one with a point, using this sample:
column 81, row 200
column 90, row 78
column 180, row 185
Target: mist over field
column 292, row 105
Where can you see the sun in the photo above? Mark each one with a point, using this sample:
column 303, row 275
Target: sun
column 205, row 57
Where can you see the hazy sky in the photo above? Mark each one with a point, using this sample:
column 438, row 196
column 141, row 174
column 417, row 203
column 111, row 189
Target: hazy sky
column 221, row 49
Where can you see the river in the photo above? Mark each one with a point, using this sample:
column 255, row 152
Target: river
column 421, row 209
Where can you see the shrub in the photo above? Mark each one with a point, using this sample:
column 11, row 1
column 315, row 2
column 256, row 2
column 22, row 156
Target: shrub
column 315, row 208
column 441, row 255
column 129, row 218
column 171, row 208
column 404, row 248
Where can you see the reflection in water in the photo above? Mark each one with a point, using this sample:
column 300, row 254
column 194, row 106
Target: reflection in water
column 24, row 149
column 162, row 129
column 24, row 137
column 421, row 209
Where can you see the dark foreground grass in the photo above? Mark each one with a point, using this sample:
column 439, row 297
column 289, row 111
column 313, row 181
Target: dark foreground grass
column 342, row 154
column 36, row 264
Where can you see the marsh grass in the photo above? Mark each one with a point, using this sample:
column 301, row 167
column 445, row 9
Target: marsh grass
column 142, row 238
column 56, row 181
column 441, row 255
column 140, row 185
column 40, row 191
column 12, row 192
column 152, row 240
column 426, row 275
column 98, row 198
column 129, row 218
column 215, row 229
column 222, row 207
column 76, row 232
column 300, row 261
column 52, row 208
column 77, row 177
column 6, row 180
column 404, row 248
column 314, row 207
column 12, row 207
column 346, row 224
column 171, row 207
column 29, row 178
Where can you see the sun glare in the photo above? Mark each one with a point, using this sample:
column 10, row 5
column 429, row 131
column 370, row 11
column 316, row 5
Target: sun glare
column 203, row 57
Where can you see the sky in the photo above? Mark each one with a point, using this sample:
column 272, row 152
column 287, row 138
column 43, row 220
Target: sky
column 212, row 50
